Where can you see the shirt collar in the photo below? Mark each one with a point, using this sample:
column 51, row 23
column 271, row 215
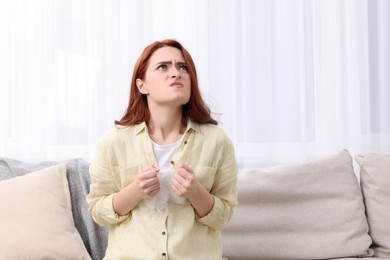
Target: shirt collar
column 140, row 128
column 191, row 125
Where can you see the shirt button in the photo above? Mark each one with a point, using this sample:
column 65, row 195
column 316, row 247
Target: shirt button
column 164, row 254
column 185, row 142
column 172, row 162
column 163, row 233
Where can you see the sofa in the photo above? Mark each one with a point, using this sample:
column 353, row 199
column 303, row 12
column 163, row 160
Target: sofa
column 321, row 209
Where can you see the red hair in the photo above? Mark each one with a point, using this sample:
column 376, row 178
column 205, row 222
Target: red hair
column 138, row 111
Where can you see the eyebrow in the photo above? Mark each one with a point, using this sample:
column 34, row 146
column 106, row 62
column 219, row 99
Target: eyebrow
column 170, row 62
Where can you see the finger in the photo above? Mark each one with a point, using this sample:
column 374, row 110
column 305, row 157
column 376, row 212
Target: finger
column 179, row 178
column 147, row 183
column 185, row 167
column 182, row 172
column 150, row 172
column 151, row 184
column 177, row 188
column 181, row 184
column 152, row 191
column 185, row 178
column 150, row 168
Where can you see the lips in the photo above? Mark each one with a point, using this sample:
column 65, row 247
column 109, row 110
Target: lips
column 176, row 84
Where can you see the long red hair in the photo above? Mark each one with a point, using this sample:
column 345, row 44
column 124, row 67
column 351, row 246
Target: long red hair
column 138, row 111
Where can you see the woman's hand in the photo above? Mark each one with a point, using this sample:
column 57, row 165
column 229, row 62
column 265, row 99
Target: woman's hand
column 147, row 182
column 145, row 185
column 185, row 184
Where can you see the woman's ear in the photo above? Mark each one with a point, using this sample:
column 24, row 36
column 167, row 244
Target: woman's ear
column 141, row 87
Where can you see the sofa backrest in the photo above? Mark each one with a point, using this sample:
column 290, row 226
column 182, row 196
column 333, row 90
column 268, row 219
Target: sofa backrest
column 313, row 210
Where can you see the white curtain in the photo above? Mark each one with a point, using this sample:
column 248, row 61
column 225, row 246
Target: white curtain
column 289, row 80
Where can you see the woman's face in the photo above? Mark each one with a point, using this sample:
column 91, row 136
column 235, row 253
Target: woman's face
column 166, row 81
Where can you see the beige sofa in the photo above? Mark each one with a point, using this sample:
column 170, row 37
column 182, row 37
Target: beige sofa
column 316, row 210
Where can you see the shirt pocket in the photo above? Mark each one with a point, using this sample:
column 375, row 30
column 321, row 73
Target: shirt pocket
column 124, row 176
column 206, row 175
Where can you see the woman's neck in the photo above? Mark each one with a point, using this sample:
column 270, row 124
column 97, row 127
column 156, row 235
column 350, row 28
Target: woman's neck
column 165, row 126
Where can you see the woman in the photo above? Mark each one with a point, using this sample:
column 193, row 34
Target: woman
column 164, row 177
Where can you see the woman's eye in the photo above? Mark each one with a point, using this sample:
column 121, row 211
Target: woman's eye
column 162, row 67
column 183, row 67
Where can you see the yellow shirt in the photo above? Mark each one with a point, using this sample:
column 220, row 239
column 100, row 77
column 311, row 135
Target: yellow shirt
column 181, row 235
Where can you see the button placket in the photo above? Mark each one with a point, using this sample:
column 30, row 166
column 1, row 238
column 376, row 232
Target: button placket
column 164, row 240
column 164, row 234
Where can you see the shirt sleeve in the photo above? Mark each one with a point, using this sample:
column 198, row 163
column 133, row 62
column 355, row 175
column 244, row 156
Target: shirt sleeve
column 224, row 189
column 102, row 189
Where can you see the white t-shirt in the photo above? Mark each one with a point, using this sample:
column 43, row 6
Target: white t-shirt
column 158, row 204
column 165, row 152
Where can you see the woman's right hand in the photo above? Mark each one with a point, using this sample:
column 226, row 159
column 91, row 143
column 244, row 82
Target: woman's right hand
column 147, row 182
column 145, row 185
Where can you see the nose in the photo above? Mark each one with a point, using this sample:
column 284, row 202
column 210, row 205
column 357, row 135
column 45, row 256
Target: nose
column 175, row 73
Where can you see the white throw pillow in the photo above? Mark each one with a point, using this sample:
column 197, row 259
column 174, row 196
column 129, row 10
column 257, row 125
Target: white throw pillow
column 36, row 218
column 375, row 182
column 309, row 211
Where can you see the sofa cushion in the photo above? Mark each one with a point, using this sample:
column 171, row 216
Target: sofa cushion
column 36, row 218
column 94, row 236
column 309, row 211
column 375, row 182
column 360, row 258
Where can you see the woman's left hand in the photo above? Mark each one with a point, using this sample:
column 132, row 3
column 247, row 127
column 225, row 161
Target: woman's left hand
column 184, row 182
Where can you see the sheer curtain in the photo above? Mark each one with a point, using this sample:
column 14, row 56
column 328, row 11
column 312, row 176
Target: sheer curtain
column 289, row 80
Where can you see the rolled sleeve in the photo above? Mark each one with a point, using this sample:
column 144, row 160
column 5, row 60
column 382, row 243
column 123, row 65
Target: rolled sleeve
column 103, row 187
column 224, row 190
column 100, row 198
column 219, row 215
column 104, row 214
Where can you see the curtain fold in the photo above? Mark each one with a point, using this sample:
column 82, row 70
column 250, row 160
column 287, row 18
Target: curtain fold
column 288, row 80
